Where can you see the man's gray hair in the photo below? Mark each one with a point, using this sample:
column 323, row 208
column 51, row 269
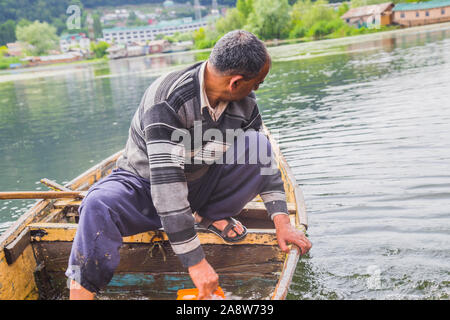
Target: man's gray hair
column 239, row 52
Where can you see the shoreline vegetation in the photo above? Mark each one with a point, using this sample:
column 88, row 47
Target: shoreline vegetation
column 283, row 52
column 277, row 22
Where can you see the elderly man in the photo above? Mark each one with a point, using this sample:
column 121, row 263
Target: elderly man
column 155, row 186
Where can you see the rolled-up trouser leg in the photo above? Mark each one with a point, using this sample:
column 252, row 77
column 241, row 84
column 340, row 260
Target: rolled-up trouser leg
column 246, row 172
column 117, row 206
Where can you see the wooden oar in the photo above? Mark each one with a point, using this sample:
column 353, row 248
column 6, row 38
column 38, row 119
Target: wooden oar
column 41, row 194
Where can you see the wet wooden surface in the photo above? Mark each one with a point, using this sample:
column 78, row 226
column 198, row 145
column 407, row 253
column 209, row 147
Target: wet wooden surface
column 137, row 258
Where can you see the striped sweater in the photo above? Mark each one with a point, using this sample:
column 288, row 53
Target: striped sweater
column 170, row 105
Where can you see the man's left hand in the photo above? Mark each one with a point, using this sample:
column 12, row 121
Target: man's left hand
column 286, row 234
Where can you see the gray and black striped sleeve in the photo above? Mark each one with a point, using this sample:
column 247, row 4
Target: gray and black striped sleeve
column 168, row 182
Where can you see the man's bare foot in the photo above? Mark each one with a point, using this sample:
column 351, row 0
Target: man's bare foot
column 221, row 224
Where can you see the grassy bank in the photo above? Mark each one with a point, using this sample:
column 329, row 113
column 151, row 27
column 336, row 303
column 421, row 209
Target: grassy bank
column 5, row 62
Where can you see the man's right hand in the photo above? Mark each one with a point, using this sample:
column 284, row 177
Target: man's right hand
column 205, row 279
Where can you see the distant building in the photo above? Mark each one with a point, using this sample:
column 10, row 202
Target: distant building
column 372, row 16
column 15, row 49
column 121, row 14
column 420, row 13
column 158, row 46
column 117, row 51
column 74, row 41
column 127, row 35
column 145, row 16
column 180, row 46
column 214, row 8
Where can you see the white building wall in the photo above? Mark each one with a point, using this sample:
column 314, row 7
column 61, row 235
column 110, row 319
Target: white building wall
column 148, row 34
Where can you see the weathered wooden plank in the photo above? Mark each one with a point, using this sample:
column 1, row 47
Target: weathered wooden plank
column 53, row 215
column 40, row 194
column 156, row 286
column 67, row 231
column 256, row 207
column 54, row 185
column 257, row 259
column 62, row 203
column 14, row 249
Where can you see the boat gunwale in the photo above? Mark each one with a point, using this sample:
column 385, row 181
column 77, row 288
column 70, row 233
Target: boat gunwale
column 301, row 223
column 20, row 224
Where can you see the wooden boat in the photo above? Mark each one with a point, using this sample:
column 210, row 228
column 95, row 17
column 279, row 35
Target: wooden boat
column 34, row 251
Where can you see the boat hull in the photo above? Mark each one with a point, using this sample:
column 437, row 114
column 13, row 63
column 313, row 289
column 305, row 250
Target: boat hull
column 34, row 252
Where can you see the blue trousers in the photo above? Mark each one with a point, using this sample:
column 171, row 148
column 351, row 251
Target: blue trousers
column 120, row 205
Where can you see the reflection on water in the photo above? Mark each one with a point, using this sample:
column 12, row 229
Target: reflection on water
column 364, row 127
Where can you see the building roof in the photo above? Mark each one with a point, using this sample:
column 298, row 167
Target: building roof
column 14, row 45
column 76, row 36
column 422, row 5
column 367, row 10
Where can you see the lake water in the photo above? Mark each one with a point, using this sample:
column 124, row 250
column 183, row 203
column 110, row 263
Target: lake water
column 365, row 127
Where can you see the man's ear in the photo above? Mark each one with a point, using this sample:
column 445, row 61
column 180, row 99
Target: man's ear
column 234, row 82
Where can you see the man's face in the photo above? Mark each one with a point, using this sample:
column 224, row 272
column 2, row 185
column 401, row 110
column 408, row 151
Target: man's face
column 242, row 87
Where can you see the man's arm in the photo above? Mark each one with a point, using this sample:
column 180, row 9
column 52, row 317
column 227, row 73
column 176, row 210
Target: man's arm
column 286, row 233
column 170, row 193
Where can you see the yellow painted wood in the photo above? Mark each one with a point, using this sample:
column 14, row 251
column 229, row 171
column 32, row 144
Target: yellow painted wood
column 257, row 199
column 67, row 231
column 17, row 280
column 254, row 205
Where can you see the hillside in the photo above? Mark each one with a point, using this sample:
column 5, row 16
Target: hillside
column 49, row 10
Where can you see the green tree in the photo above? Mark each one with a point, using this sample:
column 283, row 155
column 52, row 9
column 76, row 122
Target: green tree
column 41, row 36
column 343, row 8
column 60, row 25
column 99, row 49
column 7, row 32
column 310, row 13
column 23, row 22
column 132, row 18
column 270, row 19
column 245, row 7
column 98, row 31
column 179, row 37
column 233, row 20
column 205, row 39
column 317, row 20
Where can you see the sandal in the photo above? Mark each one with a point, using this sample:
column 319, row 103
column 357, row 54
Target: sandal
column 208, row 225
